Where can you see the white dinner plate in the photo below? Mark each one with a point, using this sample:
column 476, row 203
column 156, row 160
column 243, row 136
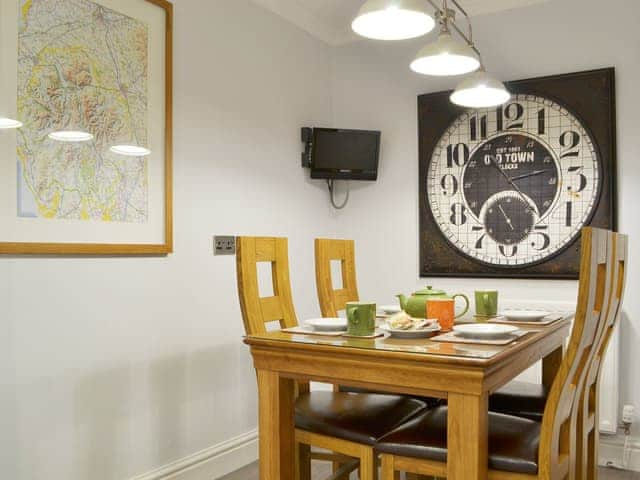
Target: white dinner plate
column 484, row 330
column 390, row 309
column 524, row 315
column 421, row 333
column 327, row 324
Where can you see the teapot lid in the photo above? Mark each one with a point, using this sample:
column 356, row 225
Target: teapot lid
column 430, row 291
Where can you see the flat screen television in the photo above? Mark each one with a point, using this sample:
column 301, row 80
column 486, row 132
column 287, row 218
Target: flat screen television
column 345, row 154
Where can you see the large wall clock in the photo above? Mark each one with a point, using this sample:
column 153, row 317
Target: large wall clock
column 506, row 191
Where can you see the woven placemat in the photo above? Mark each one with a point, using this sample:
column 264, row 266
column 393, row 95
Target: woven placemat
column 548, row 320
column 378, row 333
column 300, row 330
column 453, row 338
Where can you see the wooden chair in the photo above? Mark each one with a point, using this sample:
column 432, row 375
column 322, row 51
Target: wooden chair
column 336, row 421
column 588, row 422
column 332, row 300
column 519, row 448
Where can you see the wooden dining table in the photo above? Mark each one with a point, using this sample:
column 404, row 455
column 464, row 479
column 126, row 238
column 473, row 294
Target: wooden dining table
column 463, row 373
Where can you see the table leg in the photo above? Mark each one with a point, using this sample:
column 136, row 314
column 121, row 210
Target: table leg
column 275, row 425
column 550, row 366
column 467, row 437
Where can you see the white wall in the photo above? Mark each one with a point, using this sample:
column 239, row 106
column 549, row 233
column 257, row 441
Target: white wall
column 374, row 88
column 111, row 367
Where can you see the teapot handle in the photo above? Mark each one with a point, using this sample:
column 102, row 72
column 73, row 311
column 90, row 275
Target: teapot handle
column 466, row 301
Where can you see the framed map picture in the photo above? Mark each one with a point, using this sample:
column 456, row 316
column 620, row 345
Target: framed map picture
column 102, row 68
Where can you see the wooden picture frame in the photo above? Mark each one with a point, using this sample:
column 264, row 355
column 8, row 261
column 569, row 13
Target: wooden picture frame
column 155, row 20
column 590, row 97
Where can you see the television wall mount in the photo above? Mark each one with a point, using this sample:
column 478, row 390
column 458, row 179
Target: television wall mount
column 306, row 135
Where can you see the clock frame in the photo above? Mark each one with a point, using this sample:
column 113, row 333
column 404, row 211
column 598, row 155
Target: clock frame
column 589, row 98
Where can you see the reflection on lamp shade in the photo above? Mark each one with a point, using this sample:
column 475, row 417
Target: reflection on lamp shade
column 445, row 56
column 7, row 123
column 130, row 150
column 480, row 90
column 393, row 19
column 70, row 136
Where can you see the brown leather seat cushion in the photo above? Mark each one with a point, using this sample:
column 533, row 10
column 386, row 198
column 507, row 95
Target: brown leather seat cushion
column 522, row 399
column 429, row 401
column 358, row 417
column 513, row 441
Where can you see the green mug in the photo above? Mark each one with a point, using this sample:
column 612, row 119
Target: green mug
column 486, row 303
column 361, row 319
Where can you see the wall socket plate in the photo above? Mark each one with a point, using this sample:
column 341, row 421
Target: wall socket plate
column 224, row 245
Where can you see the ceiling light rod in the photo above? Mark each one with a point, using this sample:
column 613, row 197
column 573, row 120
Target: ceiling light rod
column 447, row 16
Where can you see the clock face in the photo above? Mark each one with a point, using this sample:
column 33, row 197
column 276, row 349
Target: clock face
column 513, row 185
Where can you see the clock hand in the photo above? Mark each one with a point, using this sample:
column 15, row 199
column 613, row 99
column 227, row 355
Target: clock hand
column 526, row 175
column 515, row 187
column 505, row 216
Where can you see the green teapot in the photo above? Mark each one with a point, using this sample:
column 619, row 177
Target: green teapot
column 416, row 304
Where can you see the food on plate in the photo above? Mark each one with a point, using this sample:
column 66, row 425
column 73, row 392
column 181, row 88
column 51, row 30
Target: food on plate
column 402, row 321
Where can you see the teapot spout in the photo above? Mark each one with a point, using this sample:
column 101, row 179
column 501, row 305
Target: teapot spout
column 403, row 301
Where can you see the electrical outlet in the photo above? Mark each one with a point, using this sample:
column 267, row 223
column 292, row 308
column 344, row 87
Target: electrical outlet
column 627, row 413
column 224, row 245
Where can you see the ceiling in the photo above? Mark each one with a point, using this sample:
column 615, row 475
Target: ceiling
column 330, row 20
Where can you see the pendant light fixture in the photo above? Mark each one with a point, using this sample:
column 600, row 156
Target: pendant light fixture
column 130, row 150
column 6, row 122
column 445, row 56
column 393, row 19
column 480, row 90
column 9, row 123
column 71, row 128
column 448, row 55
column 70, row 136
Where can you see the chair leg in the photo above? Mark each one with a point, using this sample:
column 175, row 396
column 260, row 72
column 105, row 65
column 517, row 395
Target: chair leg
column 303, row 461
column 368, row 464
column 387, row 470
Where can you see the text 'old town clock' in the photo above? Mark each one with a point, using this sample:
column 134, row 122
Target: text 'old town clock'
column 510, row 188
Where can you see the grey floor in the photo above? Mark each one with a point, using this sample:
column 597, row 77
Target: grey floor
column 321, row 469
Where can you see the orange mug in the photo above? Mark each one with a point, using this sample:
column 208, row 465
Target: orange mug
column 443, row 310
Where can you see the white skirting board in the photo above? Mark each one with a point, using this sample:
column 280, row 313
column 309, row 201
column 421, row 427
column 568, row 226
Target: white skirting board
column 611, row 451
column 211, row 463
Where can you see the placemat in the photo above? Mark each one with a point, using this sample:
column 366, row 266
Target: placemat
column 300, row 330
column 310, row 331
column 378, row 333
column 548, row 320
column 453, row 338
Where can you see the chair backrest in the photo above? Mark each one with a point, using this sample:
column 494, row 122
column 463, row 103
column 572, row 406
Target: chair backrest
column 587, row 415
column 558, row 437
column 331, row 300
column 257, row 310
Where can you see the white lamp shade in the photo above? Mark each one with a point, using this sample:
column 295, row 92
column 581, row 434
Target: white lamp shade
column 393, row 19
column 130, row 150
column 70, row 136
column 480, row 90
column 445, row 56
column 7, row 123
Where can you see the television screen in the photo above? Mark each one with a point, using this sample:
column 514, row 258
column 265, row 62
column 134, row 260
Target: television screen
column 345, row 154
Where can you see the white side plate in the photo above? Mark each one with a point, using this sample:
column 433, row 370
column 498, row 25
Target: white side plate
column 327, row 324
column 422, row 333
column 524, row 315
column 484, row 330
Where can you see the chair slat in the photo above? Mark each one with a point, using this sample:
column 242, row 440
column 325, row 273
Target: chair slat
column 256, row 310
column 271, row 309
column 332, row 300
